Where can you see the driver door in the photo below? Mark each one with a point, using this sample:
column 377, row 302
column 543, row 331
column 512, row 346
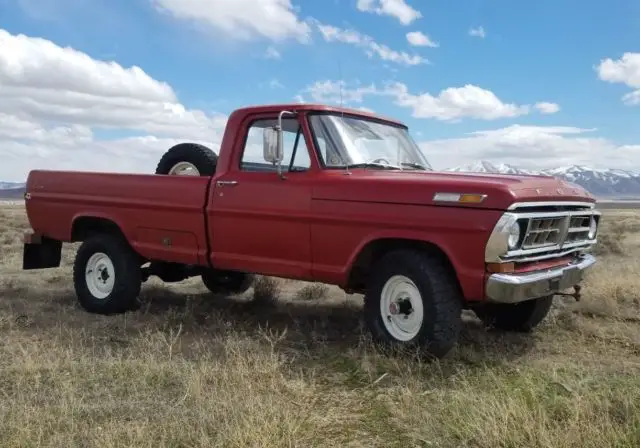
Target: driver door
column 259, row 221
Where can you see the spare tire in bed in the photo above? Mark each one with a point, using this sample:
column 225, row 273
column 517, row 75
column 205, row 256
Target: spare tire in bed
column 188, row 159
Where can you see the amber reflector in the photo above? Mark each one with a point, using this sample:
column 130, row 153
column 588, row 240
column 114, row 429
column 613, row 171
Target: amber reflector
column 472, row 198
column 498, row 268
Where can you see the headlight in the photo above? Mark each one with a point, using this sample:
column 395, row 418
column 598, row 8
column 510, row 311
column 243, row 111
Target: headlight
column 504, row 237
column 514, row 235
column 593, row 228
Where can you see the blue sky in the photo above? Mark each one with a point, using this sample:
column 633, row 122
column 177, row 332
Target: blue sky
column 213, row 55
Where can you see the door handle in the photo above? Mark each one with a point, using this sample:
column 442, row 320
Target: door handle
column 227, row 183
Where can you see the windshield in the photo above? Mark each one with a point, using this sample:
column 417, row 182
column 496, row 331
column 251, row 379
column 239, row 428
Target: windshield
column 346, row 141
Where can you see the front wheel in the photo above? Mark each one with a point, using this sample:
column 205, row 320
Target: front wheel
column 413, row 299
column 106, row 275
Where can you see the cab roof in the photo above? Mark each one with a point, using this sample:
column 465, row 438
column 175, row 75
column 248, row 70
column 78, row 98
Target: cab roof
column 315, row 107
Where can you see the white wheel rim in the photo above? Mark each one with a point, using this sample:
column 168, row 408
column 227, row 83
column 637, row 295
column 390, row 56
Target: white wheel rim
column 184, row 169
column 401, row 308
column 100, row 275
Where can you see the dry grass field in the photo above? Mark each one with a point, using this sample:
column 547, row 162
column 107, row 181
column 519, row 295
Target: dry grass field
column 193, row 370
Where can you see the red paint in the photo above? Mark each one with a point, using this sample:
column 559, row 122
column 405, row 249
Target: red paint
column 310, row 226
column 541, row 265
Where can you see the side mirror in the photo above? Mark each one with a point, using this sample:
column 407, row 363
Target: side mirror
column 272, row 149
column 272, row 146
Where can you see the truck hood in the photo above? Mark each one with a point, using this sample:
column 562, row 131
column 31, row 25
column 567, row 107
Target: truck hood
column 419, row 187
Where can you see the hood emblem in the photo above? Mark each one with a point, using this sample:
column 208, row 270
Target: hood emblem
column 559, row 191
column 538, row 191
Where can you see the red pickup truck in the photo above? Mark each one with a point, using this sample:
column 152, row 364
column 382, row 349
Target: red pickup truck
column 322, row 194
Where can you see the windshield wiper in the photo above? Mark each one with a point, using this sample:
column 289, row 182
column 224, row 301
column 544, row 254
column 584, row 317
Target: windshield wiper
column 373, row 165
column 417, row 166
column 386, row 166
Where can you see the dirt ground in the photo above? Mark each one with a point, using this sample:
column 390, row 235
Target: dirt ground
column 190, row 369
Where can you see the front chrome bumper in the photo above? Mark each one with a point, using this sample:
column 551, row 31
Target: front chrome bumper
column 514, row 288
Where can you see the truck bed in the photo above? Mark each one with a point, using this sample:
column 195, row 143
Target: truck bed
column 161, row 216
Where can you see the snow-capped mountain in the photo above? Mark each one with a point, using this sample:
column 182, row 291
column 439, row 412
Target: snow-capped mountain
column 482, row 166
column 11, row 185
column 599, row 182
column 11, row 190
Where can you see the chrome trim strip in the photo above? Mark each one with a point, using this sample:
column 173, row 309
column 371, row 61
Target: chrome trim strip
column 537, row 250
column 515, row 288
column 516, row 205
column 547, row 256
column 569, row 213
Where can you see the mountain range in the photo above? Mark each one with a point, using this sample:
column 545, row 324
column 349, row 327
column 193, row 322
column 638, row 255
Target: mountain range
column 11, row 190
column 603, row 183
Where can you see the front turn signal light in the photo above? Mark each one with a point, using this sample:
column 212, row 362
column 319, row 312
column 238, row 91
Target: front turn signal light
column 500, row 268
column 460, row 198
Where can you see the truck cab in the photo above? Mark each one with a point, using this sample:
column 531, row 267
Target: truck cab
column 324, row 194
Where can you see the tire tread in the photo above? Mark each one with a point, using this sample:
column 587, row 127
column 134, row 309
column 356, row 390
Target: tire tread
column 128, row 277
column 202, row 157
column 441, row 294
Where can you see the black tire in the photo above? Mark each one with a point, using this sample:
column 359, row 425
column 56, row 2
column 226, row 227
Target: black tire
column 440, row 296
column 227, row 282
column 517, row 317
column 123, row 296
column 204, row 159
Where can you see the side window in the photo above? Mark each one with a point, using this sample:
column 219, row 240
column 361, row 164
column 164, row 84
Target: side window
column 296, row 154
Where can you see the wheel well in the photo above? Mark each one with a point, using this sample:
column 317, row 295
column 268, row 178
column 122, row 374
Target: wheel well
column 374, row 250
column 86, row 226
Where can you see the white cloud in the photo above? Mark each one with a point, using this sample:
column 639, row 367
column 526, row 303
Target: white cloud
column 477, row 32
column 337, row 92
column 625, row 70
column 532, row 147
column 272, row 53
column 124, row 155
column 53, row 99
column 632, row 99
column 46, row 82
column 451, row 104
column 394, row 8
column 26, row 60
column 419, row 39
column 455, row 103
column 275, row 84
column 547, row 108
column 242, row 19
column 334, row 34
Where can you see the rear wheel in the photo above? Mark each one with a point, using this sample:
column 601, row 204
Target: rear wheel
column 413, row 299
column 227, row 282
column 188, row 159
column 520, row 317
column 106, row 275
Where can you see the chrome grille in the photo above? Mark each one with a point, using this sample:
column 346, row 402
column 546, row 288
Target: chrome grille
column 578, row 228
column 542, row 232
column 552, row 230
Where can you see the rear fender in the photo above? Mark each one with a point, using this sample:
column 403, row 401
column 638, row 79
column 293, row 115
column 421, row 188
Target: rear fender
column 110, row 220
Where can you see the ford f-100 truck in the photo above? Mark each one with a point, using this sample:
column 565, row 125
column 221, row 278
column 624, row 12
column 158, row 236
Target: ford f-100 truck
column 322, row 194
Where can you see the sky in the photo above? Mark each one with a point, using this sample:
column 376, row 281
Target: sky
column 109, row 85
